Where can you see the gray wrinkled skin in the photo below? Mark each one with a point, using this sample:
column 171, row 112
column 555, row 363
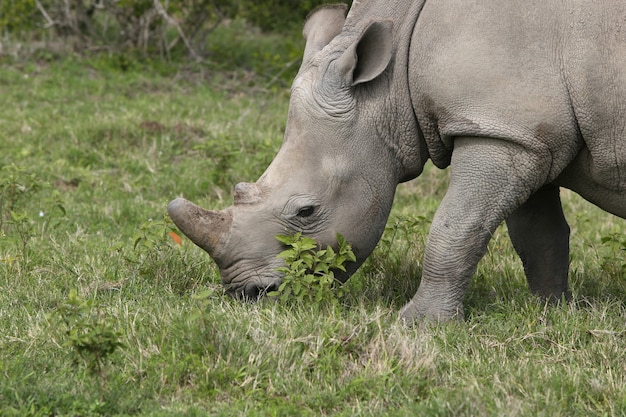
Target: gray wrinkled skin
column 519, row 98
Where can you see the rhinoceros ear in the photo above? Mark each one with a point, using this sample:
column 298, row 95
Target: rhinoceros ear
column 321, row 27
column 369, row 56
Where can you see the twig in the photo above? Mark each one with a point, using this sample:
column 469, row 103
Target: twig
column 161, row 11
column 45, row 15
column 281, row 72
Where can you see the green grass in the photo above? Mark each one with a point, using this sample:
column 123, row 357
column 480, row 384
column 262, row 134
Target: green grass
column 94, row 154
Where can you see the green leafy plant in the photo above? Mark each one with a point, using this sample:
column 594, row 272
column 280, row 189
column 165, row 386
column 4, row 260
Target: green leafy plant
column 149, row 241
column 19, row 193
column 615, row 260
column 149, row 253
column 308, row 274
column 89, row 334
column 151, row 235
column 16, row 186
column 401, row 229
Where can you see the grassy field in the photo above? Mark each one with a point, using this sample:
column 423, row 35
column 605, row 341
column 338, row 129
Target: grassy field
column 102, row 312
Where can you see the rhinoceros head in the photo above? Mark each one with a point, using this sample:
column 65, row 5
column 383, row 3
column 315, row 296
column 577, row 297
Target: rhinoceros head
column 332, row 174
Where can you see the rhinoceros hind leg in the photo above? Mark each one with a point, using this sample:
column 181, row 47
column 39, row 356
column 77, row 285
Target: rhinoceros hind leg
column 540, row 235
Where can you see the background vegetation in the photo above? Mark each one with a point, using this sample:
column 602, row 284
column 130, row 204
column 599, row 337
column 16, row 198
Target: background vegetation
column 105, row 311
column 165, row 28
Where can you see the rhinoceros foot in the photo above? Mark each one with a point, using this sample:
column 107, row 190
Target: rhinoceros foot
column 417, row 310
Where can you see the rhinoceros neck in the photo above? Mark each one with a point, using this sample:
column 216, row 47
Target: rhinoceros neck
column 396, row 10
column 404, row 140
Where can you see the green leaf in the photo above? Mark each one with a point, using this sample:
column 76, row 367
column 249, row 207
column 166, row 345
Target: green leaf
column 320, row 268
column 288, row 239
column 306, row 243
column 286, row 254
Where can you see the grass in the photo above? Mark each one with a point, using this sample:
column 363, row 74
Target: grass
column 93, row 154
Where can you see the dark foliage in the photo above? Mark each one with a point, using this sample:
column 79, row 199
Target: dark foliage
column 151, row 27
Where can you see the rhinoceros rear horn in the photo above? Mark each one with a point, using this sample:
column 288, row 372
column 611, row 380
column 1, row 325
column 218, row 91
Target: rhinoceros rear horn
column 206, row 228
column 321, row 27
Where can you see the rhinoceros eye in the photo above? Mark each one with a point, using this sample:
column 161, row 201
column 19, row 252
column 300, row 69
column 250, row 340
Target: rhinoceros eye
column 306, row 211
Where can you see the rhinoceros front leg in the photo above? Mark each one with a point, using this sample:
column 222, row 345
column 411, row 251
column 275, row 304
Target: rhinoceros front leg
column 489, row 179
column 540, row 235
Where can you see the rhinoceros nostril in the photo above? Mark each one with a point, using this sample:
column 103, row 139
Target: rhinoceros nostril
column 253, row 292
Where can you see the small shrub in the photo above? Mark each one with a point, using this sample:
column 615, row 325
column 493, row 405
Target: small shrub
column 17, row 15
column 151, row 242
column 16, row 186
column 309, row 273
column 156, row 254
column 19, row 193
column 615, row 261
column 89, row 335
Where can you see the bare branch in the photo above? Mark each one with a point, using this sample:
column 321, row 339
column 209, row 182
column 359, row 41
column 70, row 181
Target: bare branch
column 161, row 11
column 45, row 14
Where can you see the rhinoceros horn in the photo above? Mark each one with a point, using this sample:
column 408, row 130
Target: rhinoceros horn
column 206, row 228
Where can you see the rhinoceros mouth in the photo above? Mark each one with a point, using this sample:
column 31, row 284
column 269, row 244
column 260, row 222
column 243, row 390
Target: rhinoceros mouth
column 245, row 282
column 253, row 291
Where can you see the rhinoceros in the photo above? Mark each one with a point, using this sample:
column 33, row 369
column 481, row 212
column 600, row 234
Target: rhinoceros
column 518, row 98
